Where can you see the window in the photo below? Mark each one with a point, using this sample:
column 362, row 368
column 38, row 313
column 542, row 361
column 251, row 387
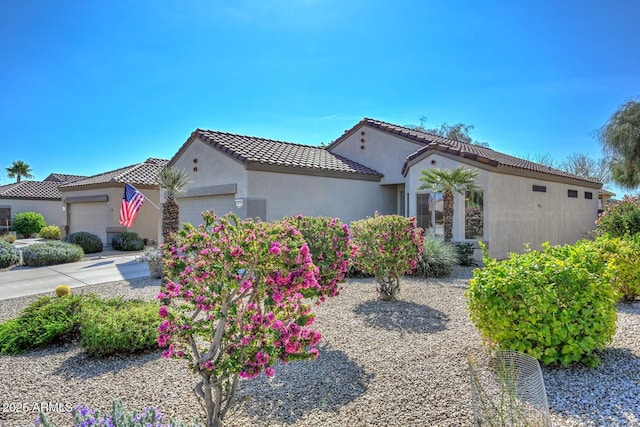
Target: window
column 540, row 188
column 572, row 193
column 588, row 195
column 429, row 212
column 473, row 215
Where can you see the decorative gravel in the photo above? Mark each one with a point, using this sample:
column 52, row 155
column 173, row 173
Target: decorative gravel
column 380, row 364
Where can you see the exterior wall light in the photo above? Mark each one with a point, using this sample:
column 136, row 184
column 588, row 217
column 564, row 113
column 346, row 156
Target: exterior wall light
column 239, row 203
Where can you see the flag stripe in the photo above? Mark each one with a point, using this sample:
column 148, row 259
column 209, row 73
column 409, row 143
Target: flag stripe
column 132, row 200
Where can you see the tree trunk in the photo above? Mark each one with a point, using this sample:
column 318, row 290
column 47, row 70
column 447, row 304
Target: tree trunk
column 447, row 211
column 389, row 287
column 170, row 219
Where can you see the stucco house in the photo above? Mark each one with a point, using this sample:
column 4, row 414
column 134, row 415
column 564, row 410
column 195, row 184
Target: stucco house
column 42, row 197
column 375, row 166
column 92, row 204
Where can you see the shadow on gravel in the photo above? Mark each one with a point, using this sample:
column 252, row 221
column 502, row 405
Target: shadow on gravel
column 629, row 308
column 81, row 366
column 327, row 383
column 605, row 395
column 402, row 316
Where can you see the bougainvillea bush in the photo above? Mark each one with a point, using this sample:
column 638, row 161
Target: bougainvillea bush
column 236, row 303
column 556, row 305
column 329, row 244
column 620, row 218
column 387, row 247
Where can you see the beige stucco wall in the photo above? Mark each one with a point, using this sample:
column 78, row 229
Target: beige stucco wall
column 146, row 223
column 51, row 210
column 346, row 199
column 382, row 152
column 513, row 213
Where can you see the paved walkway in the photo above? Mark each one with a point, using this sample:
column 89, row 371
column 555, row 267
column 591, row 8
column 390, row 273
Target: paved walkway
column 107, row 266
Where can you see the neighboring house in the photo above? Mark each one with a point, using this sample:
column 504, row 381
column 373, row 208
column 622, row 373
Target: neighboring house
column 93, row 204
column 375, row 166
column 42, row 197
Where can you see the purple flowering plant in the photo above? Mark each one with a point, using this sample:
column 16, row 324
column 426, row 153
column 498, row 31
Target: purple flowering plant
column 236, row 304
column 387, row 247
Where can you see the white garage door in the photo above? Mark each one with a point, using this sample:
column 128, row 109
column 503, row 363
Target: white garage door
column 191, row 208
column 90, row 217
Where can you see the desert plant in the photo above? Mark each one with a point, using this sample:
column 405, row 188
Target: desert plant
column 153, row 258
column 50, row 232
column 387, row 247
column 556, row 305
column 86, row 416
column 119, row 328
column 90, row 243
column 127, row 241
column 464, row 252
column 437, row 258
column 46, row 321
column 620, row 218
column 28, row 223
column 63, row 290
column 18, row 170
column 9, row 255
column 51, row 253
column 173, row 181
column 9, row 238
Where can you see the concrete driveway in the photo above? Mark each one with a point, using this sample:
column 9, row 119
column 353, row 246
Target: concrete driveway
column 20, row 281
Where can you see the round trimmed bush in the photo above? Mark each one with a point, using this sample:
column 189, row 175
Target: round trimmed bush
column 8, row 255
column 51, row 253
column 127, row 241
column 556, row 305
column 51, row 232
column 90, row 243
column 28, row 223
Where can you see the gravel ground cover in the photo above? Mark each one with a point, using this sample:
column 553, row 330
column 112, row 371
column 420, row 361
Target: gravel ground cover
column 380, row 364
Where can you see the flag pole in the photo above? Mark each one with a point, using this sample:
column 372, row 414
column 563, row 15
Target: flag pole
column 148, row 200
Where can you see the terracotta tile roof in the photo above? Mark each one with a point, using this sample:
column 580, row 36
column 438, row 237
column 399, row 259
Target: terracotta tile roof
column 254, row 151
column 31, row 190
column 61, row 177
column 144, row 173
column 470, row 151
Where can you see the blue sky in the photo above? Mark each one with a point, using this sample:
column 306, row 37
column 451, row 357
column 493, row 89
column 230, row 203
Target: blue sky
column 87, row 86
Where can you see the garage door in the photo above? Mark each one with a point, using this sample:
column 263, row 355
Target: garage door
column 191, row 208
column 90, row 217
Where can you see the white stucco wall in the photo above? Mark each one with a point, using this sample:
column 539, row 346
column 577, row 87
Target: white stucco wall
column 346, row 199
column 513, row 213
column 382, row 152
column 51, row 210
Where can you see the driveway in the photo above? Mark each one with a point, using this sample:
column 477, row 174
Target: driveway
column 20, row 281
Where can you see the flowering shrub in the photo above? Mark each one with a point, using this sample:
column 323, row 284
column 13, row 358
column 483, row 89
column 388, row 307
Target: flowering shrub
column 85, row 416
column 329, row 244
column 50, row 253
column 235, row 303
column 387, row 246
column 620, row 218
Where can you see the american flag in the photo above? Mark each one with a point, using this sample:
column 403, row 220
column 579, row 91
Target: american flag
column 131, row 202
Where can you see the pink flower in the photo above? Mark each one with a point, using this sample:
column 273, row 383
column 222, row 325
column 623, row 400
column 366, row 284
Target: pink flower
column 314, row 352
column 164, row 326
column 277, row 296
column 163, row 312
column 237, row 251
column 291, row 347
column 270, row 372
column 162, row 340
column 274, row 249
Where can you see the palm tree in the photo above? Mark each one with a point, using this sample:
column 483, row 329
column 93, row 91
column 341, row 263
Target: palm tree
column 173, row 181
column 459, row 180
column 620, row 137
column 18, row 170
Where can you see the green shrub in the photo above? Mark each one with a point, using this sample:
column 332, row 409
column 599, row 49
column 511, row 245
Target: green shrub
column 90, row 243
column 623, row 264
column 437, row 258
column 51, row 232
column 127, row 241
column 556, row 305
column 386, row 246
column 51, row 253
column 620, row 218
column 464, row 252
column 28, row 223
column 120, row 328
column 9, row 255
column 46, row 321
